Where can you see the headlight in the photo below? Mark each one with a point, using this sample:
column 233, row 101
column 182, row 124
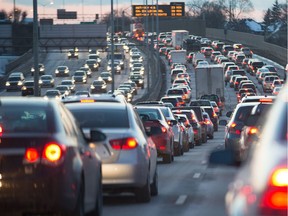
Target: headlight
column 121, row 63
column 19, row 83
column 103, row 87
column 140, row 81
column 92, row 87
column 108, row 68
column 24, row 88
column 41, row 69
column 118, row 68
column 86, row 66
column 7, row 84
column 40, row 82
column 32, row 69
column 69, row 54
column 109, row 78
column 94, row 65
column 66, row 71
column 98, row 60
column 56, row 71
column 66, row 92
column 129, row 95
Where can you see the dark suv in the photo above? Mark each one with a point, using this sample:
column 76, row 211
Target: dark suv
column 216, row 98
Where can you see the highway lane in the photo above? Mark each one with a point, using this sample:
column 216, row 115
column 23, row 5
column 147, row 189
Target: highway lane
column 55, row 58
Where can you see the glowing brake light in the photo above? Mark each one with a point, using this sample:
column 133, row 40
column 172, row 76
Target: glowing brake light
column 280, row 178
column 124, row 143
column 1, row 130
column 163, row 129
column 31, row 155
column 214, row 114
column 275, row 196
column 52, row 152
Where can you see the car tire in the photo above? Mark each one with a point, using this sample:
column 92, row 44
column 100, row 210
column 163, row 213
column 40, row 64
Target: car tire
column 211, row 136
column 154, row 185
column 186, row 147
column 198, row 142
column 204, row 138
column 97, row 211
column 143, row 194
column 191, row 145
column 79, row 209
column 167, row 158
column 177, row 150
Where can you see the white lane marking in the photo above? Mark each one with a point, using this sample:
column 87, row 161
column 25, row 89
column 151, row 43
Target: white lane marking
column 181, row 200
column 196, row 175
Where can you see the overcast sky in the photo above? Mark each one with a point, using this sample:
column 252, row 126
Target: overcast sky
column 96, row 6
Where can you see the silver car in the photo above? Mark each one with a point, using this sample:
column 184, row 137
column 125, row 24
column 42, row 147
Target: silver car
column 129, row 160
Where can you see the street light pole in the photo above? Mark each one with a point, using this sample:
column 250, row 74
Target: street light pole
column 35, row 48
column 112, row 48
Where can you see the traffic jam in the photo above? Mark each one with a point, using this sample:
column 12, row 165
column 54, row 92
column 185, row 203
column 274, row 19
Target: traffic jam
column 65, row 152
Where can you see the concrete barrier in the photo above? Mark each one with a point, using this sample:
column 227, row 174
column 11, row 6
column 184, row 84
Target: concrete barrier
column 256, row 42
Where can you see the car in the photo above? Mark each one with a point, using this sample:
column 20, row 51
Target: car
column 71, row 85
column 53, row 93
column 217, row 99
column 87, row 70
column 258, row 98
column 238, row 80
column 80, row 76
column 215, row 107
column 72, row 53
column 247, row 52
column 200, row 102
column 207, row 51
column 271, row 68
column 267, row 83
column 253, row 65
column 138, row 79
column 14, row 82
column 276, row 90
column 212, row 116
column 64, row 90
column 214, row 54
column 202, row 64
column 253, row 125
column 261, row 192
column 187, row 132
column 165, row 138
column 47, row 81
column 117, row 67
column 92, row 64
column 98, row 86
column 133, row 85
column 179, row 142
column 190, row 56
column 28, row 88
column 51, row 174
column 249, row 85
column 129, row 158
column 260, row 70
column 226, row 49
column 41, row 69
column 277, row 83
column 235, row 125
column 96, row 57
column 264, row 74
column 17, row 74
column 209, row 125
column 193, row 121
column 62, row 71
column 243, row 92
column 175, row 72
column 106, row 76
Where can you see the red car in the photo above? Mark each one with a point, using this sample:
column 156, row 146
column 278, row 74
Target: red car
column 157, row 127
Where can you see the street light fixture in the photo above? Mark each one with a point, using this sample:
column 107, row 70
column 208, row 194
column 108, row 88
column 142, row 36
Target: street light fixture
column 44, row 5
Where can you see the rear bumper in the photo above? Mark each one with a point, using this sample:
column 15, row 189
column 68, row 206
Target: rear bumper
column 37, row 195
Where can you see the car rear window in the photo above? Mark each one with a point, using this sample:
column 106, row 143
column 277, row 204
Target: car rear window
column 243, row 113
column 108, row 118
column 200, row 103
column 23, row 119
column 175, row 92
column 170, row 100
column 153, row 114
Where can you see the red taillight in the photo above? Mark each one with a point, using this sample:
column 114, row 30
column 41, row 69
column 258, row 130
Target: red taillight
column 207, row 122
column 214, row 115
column 31, row 155
column 1, row 130
column 195, row 131
column 275, row 196
column 52, row 152
column 236, row 83
column 233, row 130
column 124, row 144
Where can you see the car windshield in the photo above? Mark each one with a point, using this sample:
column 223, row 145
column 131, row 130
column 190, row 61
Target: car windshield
column 80, row 73
column 30, row 83
column 61, row 68
column 14, row 78
column 52, row 93
column 66, row 83
column 46, row 78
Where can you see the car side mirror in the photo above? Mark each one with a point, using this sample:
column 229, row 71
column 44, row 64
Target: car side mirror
column 229, row 113
column 97, row 136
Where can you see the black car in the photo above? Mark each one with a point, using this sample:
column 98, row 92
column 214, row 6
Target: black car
column 41, row 69
column 52, row 169
column 72, row 53
column 92, row 64
column 98, row 86
column 28, row 88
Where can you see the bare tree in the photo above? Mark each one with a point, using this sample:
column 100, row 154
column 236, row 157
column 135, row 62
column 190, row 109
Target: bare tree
column 235, row 8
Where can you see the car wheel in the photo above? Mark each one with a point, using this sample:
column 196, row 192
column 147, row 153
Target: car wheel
column 204, row 139
column 99, row 202
column 211, row 136
column 79, row 209
column 143, row 194
column 191, row 145
column 198, row 142
column 154, row 185
column 167, row 158
column 177, row 150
